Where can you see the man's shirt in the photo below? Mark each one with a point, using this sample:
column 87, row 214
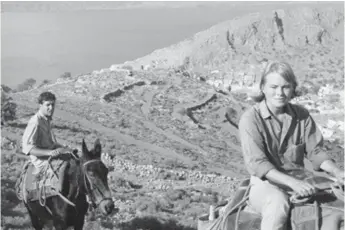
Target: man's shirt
column 38, row 133
column 266, row 144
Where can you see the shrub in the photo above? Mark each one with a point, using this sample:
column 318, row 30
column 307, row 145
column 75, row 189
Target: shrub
column 8, row 108
column 5, row 88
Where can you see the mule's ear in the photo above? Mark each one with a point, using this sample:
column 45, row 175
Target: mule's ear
column 98, row 147
column 84, row 148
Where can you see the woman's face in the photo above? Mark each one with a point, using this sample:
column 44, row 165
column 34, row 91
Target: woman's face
column 277, row 90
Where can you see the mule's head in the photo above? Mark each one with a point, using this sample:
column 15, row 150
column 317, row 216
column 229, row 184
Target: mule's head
column 95, row 178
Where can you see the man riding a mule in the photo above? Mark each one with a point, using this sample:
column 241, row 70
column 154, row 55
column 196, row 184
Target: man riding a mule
column 39, row 141
column 276, row 136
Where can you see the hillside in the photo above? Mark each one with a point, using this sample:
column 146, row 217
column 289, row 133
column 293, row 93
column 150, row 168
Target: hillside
column 169, row 131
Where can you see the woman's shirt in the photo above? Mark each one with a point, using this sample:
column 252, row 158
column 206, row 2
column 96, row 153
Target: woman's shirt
column 268, row 144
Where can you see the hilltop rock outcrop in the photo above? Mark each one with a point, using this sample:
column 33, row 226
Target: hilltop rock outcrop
column 256, row 32
column 237, row 50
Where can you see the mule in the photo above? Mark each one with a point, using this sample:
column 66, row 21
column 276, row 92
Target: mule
column 323, row 211
column 85, row 180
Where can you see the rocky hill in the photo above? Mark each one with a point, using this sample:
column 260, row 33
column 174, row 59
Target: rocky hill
column 169, row 130
column 237, row 48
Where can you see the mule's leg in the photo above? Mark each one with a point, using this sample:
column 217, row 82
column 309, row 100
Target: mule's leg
column 82, row 208
column 80, row 217
column 58, row 225
column 34, row 219
column 79, row 222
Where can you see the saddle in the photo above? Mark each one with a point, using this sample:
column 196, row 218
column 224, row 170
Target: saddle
column 46, row 183
column 324, row 211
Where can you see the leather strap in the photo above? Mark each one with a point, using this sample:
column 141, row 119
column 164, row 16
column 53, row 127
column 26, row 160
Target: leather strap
column 338, row 190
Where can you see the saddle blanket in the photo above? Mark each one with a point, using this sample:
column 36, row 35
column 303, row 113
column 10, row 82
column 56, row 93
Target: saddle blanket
column 44, row 184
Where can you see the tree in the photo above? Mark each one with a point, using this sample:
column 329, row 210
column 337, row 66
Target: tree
column 66, row 75
column 26, row 85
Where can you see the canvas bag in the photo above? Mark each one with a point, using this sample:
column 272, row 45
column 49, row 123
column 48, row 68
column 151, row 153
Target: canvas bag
column 232, row 213
column 306, row 216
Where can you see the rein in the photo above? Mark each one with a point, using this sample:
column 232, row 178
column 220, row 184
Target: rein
column 87, row 180
column 89, row 189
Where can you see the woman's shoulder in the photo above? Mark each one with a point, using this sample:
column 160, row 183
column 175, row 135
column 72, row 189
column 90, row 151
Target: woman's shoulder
column 250, row 114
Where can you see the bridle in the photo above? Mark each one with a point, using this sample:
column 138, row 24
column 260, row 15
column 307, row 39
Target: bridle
column 89, row 186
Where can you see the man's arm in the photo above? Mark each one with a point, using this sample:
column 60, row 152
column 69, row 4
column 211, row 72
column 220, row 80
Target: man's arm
column 38, row 152
column 30, row 140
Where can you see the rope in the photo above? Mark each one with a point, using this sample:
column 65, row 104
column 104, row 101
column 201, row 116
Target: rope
column 317, row 215
column 42, row 191
column 20, row 184
column 246, row 197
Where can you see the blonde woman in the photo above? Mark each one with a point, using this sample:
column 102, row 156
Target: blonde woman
column 276, row 136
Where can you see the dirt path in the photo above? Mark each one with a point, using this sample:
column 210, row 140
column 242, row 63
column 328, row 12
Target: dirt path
column 128, row 140
column 115, row 134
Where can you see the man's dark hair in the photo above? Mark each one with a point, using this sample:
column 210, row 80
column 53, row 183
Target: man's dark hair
column 46, row 96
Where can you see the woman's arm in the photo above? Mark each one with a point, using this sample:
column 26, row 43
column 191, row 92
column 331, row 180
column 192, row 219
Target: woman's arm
column 285, row 181
column 314, row 142
column 253, row 146
column 330, row 167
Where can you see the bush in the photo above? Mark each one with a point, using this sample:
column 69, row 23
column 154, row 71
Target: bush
column 184, row 67
column 8, row 108
column 301, row 90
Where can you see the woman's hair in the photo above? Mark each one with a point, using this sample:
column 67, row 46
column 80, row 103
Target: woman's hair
column 46, row 96
column 281, row 68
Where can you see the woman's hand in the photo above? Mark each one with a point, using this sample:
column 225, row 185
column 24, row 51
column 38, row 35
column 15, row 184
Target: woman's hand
column 339, row 175
column 303, row 188
column 330, row 167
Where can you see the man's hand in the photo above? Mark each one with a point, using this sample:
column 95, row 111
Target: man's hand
column 57, row 152
column 68, row 149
